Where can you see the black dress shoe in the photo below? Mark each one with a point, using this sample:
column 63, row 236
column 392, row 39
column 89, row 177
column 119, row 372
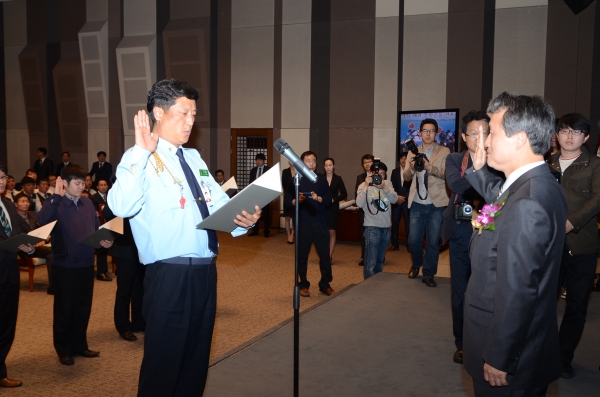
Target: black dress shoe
column 89, row 353
column 430, row 282
column 50, row 291
column 567, row 371
column 128, row 336
column 413, row 272
column 67, row 360
column 361, row 263
column 458, row 356
column 103, row 277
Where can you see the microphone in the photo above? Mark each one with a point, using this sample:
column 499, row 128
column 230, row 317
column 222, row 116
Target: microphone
column 286, row 151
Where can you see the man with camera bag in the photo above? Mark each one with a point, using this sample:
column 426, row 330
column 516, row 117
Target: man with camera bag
column 426, row 200
column 375, row 196
column 457, row 226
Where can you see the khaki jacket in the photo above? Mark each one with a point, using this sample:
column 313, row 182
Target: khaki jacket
column 436, row 184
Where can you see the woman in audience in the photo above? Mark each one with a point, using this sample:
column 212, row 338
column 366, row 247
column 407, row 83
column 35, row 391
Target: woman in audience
column 287, row 182
column 338, row 193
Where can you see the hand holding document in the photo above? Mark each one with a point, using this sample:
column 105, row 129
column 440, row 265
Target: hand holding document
column 260, row 192
column 33, row 237
column 109, row 231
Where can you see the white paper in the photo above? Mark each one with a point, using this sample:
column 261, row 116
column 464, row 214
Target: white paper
column 115, row 224
column 270, row 179
column 230, row 184
column 43, row 232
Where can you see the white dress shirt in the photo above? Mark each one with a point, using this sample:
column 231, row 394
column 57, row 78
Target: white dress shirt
column 161, row 228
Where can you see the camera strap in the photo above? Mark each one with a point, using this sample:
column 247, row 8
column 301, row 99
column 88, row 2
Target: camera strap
column 367, row 200
column 463, row 168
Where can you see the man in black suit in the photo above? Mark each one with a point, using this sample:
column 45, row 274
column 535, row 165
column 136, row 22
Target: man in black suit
column 66, row 160
column 456, row 227
column 101, row 168
column 98, row 199
column 510, row 339
column 400, row 209
column 43, row 166
column 9, row 280
column 366, row 161
column 256, row 173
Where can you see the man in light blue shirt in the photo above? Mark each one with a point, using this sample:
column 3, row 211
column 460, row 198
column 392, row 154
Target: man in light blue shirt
column 166, row 191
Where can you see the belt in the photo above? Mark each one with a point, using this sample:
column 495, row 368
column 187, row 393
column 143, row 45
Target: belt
column 184, row 260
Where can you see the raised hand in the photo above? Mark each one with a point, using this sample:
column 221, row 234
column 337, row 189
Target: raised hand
column 60, row 188
column 143, row 135
column 480, row 157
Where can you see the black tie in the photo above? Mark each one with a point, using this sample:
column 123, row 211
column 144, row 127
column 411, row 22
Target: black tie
column 213, row 244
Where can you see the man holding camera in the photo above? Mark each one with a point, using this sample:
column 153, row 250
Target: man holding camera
column 375, row 196
column 457, row 226
column 426, row 200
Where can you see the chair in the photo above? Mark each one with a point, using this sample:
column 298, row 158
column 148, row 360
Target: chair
column 28, row 264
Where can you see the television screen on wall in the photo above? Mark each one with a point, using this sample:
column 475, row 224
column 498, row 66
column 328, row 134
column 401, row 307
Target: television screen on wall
column 448, row 129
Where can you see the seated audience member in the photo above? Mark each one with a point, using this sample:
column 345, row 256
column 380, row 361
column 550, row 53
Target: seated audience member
column 73, row 263
column 400, row 209
column 9, row 280
column 52, row 182
column 313, row 219
column 256, row 173
column 376, row 201
column 43, row 190
column 101, row 253
column 366, row 162
column 33, row 175
column 10, row 192
column 220, row 177
column 28, row 185
column 101, row 168
column 89, row 184
column 130, row 287
column 456, row 227
column 580, row 180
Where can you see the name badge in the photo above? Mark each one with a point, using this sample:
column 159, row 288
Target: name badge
column 203, row 172
column 206, row 193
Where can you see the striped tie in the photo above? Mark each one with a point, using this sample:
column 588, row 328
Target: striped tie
column 4, row 222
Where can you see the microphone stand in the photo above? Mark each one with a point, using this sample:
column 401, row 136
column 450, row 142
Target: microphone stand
column 296, row 303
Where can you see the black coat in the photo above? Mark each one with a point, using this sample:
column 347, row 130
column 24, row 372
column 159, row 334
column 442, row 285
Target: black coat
column 102, row 173
column 43, row 170
column 9, row 271
column 254, row 170
column 510, row 303
column 60, row 167
column 124, row 246
column 400, row 188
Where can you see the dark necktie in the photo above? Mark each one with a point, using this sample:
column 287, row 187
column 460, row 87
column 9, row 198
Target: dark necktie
column 4, row 221
column 259, row 173
column 213, row 244
column 100, row 165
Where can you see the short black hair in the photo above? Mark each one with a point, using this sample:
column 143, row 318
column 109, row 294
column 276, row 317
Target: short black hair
column 308, row 153
column 101, row 153
column 429, row 121
column 221, row 171
column 402, row 154
column 7, row 176
column 30, row 170
column 43, row 150
column 44, row 180
column 574, row 121
column 473, row 115
column 18, row 196
column 66, row 153
column 382, row 166
column 366, row 157
column 71, row 172
column 99, row 180
column 260, row 156
column 27, row 180
column 3, row 168
column 164, row 93
column 330, row 159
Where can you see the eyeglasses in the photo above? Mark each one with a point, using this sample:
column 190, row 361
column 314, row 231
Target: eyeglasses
column 473, row 135
column 5, row 177
column 428, row 132
column 574, row 132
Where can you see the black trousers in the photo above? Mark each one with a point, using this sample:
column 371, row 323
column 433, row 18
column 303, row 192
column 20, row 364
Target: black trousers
column 9, row 307
column 73, row 291
column 398, row 212
column 309, row 233
column 577, row 274
column 179, row 308
column 485, row 390
column 101, row 261
column 130, row 295
column 460, row 272
column 266, row 218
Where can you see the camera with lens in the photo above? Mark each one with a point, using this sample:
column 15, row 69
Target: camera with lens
column 418, row 157
column 376, row 177
column 463, row 211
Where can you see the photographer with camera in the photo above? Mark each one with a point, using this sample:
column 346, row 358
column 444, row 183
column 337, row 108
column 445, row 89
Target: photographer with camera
column 375, row 196
column 426, row 200
column 457, row 226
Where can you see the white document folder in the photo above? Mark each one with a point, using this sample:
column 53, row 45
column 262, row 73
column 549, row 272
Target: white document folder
column 260, row 192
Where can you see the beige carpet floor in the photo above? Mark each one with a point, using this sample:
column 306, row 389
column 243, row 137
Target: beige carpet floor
column 255, row 294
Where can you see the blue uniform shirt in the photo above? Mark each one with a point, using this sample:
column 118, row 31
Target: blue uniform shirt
column 161, row 228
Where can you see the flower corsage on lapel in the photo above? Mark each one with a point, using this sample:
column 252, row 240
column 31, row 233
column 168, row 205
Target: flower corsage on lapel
column 487, row 216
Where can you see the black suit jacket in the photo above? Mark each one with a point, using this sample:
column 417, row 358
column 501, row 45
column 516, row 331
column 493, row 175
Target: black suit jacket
column 400, row 188
column 124, row 246
column 9, row 269
column 359, row 179
column 97, row 200
column 43, row 170
column 337, row 189
column 254, row 170
column 28, row 224
column 102, row 173
column 60, row 167
column 510, row 303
